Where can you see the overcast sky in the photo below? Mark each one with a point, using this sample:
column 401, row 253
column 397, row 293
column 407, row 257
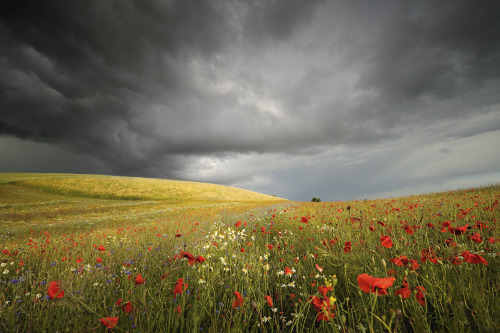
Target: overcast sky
column 333, row 99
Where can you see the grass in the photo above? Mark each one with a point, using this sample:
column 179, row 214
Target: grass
column 130, row 188
column 106, row 250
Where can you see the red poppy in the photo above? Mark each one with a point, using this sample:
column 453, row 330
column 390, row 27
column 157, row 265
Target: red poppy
column 458, row 230
column 420, row 296
column 473, row 258
column 109, row 322
column 288, row 271
column 318, row 267
column 119, row 302
column 127, row 307
column 347, row 247
column 238, row 301
column 323, row 308
column 178, row 310
column 324, row 290
column 237, row 224
column 269, row 300
column 178, row 235
column 191, row 259
column 386, row 241
column 269, row 246
column 199, row 259
column 404, row 292
column 476, row 238
column 404, row 261
column 180, row 286
column 55, row 290
column 99, row 260
column 408, row 229
column 139, row 280
column 102, row 248
column 378, row 286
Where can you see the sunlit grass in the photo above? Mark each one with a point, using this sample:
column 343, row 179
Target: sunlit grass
column 108, row 187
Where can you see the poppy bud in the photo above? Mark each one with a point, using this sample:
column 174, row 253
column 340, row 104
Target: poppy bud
column 438, row 248
column 384, row 263
column 332, row 301
column 392, row 314
column 342, row 319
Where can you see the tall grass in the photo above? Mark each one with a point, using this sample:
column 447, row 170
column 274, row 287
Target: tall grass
column 291, row 252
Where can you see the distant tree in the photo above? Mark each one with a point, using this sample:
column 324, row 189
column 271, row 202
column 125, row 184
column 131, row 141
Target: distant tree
column 316, row 200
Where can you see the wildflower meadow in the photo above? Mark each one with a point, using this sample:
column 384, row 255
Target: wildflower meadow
column 83, row 261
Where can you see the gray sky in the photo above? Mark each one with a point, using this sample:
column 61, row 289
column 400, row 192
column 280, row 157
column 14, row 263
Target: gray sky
column 333, row 99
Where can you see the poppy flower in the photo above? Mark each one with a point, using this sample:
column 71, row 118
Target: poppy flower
column 347, row 247
column 473, row 258
column 191, row 259
column 476, row 238
column 404, row 292
column 99, row 260
column 378, row 286
column 318, row 267
column 119, row 302
column 324, row 290
column 238, row 301
column 127, row 307
column 269, row 246
column 199, row 259
column 408, row 229
column 458, row 230
column 102, row 248
column 237, row 224
column 288, row 271
column 139, row 280
column 269, row 300
column 386, row 241
column 109, row 322
column 323, row 308
column 420, row 296
column 180, row 286
column 54, row 290
column 178, row 235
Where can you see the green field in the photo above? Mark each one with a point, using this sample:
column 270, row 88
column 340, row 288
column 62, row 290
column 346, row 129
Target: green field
column 84, row 253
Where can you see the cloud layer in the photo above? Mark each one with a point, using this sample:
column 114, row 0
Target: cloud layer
column 293, row 98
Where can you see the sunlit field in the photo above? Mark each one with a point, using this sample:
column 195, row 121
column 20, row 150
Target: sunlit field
column 90, row 254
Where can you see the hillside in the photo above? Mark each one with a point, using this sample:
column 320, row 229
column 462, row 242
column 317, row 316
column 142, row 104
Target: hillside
column 130, row 188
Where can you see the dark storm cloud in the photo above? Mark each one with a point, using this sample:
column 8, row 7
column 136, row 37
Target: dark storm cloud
column 178, row 88
column 437, row 50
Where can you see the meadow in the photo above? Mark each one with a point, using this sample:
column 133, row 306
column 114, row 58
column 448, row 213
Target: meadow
column 98, row 253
